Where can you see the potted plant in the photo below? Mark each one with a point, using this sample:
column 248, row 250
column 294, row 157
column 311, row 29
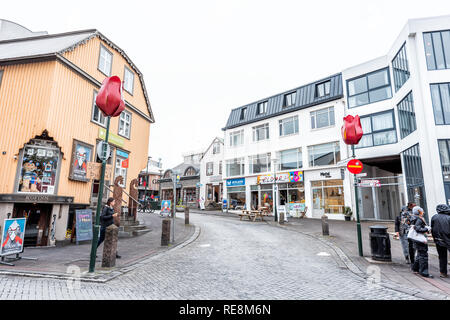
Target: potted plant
column 348, row 213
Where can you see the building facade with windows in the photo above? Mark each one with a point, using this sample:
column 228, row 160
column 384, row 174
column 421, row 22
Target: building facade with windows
column 403, row 100
column 211, row 169
column 148, row 181
column 51, row 127
column 287, row 148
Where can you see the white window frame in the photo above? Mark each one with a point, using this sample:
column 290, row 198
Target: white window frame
column 281, row 126
column 313, row 114
column 119, row 171
column 262, row 107
column 103, row 60
column 102, row 119
column 238, row 161
column 128, row 80
column 267, row 157
column 210, row 168
column 216, row 148
column 266, row 129
column 299, row 158
column 237, row 133
column 122, row 129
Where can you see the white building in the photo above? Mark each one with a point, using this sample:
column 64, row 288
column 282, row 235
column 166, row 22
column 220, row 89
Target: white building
column 211, row 185
column 403, row 100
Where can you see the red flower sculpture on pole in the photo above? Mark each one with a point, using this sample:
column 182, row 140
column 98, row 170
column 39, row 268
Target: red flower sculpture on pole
column 109, row 98
column 352, row 130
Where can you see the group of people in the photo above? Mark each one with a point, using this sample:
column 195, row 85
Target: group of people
column 412, row 230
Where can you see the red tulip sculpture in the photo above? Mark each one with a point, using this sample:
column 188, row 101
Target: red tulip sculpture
column 109, row 98
column 351, row 130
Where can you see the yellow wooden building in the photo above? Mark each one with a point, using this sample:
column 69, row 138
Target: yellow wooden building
column 50, row 126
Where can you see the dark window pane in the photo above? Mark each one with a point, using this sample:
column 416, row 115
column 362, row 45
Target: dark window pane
column 445, row 98
column 357, row 86
column 446, row 43
column 437, row 107
column 438, row 50
column 429, row 52
column 380, row 94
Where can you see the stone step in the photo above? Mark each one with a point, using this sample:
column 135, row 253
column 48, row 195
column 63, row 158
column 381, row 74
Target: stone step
column 140, row 232
column 134, row 228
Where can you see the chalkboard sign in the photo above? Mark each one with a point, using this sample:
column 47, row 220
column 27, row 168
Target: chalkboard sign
column 84, row 224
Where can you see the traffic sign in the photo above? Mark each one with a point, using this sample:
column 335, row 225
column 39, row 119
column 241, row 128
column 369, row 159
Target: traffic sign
column 100, row 150
column 364, row 174
column 355, row 166
column 369, row 183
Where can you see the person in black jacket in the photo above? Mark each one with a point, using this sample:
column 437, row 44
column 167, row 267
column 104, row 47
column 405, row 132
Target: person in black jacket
column 401, row 229
column 411, row 217
column 107, row 219
column 440, row 229
column 421, row 263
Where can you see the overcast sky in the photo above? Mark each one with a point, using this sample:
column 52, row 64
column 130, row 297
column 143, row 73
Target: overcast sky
column 200, row 59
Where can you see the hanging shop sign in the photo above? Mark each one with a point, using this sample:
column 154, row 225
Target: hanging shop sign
column 84, row 224
column 369, row 183
column 100, row 150
column 13, row 236
column 112, row 138
column 94, row 170
column 81, row 155
column 355, row 166
column 236, row 182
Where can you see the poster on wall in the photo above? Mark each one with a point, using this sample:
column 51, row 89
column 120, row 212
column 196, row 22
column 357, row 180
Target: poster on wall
column 166, row 206
column 83, row 224
column 13, row 236
column 38, row 170
column 81, row 155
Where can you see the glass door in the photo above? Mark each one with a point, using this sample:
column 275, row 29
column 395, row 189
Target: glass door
column 318, row 202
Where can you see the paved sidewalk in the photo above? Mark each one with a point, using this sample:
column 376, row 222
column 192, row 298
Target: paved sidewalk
column 343, row 234
column 62, row 262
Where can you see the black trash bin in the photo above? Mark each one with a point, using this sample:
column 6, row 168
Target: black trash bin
column 380, row 244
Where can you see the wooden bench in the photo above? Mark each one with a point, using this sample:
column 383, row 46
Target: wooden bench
column 252, row 214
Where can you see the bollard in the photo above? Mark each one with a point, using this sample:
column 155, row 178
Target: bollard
column 325, row 229
column 281, row 220
column 165, row 233
column 110, row 246
column 186, row 215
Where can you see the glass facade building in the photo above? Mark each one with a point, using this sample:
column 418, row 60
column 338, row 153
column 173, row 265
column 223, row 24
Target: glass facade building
column 406, row 116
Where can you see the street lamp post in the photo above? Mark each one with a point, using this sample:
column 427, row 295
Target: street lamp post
column 358, row 223
column 147, row 181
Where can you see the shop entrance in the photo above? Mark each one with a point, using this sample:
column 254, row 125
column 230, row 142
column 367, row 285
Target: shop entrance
column 38, row 222
column 328, row 197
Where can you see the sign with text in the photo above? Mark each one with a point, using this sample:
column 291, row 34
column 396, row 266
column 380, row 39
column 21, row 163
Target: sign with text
column 369, row 183
column 236, row 182
column 94, row 170
column 13, row 235
column 112, row 138
column 283, row 177
column 84, row 224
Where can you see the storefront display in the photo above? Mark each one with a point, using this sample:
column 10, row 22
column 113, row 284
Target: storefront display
column 236, row 196
column 328, row 196
column 38, row 172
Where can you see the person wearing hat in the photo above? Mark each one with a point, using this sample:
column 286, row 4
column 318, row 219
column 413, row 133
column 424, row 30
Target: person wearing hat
column 440, row 230
column 420, row 265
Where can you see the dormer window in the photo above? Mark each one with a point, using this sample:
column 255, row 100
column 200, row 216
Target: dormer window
column 289, row 99
column 262, row 108
column 243, row 113
column 323, row 89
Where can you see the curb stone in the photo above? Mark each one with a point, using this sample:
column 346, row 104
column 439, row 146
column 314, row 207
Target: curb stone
column 426, row 295
column 103, row 276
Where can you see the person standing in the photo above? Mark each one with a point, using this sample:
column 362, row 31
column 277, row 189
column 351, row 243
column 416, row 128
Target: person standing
column 107, row 219
column 402, row 228
column 411, row 220
column 440, row 230
column 420, row 265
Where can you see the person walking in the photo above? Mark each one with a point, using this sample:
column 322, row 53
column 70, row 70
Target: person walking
column 107, row 219
column 401, row 228
column 440, row 230
column 411, row 220
column 420, row 265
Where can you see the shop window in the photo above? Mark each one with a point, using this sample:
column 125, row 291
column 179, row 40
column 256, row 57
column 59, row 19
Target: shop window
column 210, row 168
column 369, row 88
column 328, row 196
column 128, row 80
column 323, row 89
column 236, row 138
column 260, row 163
column 379, row 129
column 444, row 152
column 262, row 108
column 97, row 115
column 289, row 99
column 322, row 118
column 261, row 132
column 125, row 124
column 440, row 96
column 324, row 154
column 406, row 116
column 437, row 49
column 105, row 61
column 235, row 167
column 121, row 166
column 400, row 68
column 291, row 159
column 288, row 126
column 39, row 165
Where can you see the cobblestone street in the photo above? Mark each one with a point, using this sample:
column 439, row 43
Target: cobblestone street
column 230, row 259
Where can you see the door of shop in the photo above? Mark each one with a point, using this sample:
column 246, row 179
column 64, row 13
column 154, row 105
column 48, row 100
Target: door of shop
column 38, row 222
column 381, row 202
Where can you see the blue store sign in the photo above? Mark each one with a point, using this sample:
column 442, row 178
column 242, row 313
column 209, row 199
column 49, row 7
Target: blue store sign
column 236, row 182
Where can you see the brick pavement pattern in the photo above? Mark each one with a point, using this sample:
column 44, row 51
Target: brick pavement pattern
column 231, row 259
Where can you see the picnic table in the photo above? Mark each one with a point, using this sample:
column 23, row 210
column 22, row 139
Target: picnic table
column 253, row 214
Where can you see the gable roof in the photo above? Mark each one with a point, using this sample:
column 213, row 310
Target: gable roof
column 305, row 98
column 214, row 140
column 55, row 45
